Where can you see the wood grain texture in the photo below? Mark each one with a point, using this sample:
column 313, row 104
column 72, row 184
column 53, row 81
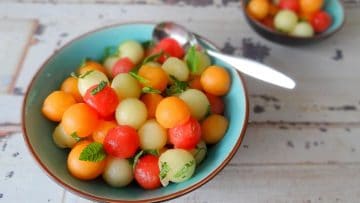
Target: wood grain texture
column 244, row 179
column 11, row 109
column 156, row 2
column 299, row 184
column 281, row 184
column 301, row 145
column 314, row 68
column 21, row 179
column 15, row 35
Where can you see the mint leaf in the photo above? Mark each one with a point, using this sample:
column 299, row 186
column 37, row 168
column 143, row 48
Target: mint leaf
column 208, row 112
column 94, row 152
column 153, row 57
column 148, row 59
column 98, row 88
column 83, row 62
column 75, row 136
column 139, row 78
column 137, row 157
column 131, row 161
column 73, row 74
column 177, row 87
column 150, row 90
column 136, row 68
column 109, row 52
column 164, row 170
column 148, row 44
column 192, row 60
column 199, row 149
column 184, row 170
column 85, row 74
column 154, row 152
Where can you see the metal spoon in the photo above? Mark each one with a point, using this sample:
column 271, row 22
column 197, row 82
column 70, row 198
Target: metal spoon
column 247, row 66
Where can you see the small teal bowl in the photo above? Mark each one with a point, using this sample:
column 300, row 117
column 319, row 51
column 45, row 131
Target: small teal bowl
column 334, row 7
column 38, row 130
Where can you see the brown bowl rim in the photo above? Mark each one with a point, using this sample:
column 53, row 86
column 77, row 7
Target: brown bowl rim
column 97, row 198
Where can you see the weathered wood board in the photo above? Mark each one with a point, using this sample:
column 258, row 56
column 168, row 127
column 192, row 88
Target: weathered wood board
column 301, row 145
column 14, row 35
column 319, row 70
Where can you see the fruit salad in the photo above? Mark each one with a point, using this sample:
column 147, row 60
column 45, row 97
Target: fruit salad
column 146, row 112
column 299, row 18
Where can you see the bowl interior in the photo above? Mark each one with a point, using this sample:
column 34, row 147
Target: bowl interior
column 38, row 130
column 336, row 10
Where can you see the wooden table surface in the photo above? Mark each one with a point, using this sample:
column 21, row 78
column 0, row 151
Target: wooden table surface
column 300, row 146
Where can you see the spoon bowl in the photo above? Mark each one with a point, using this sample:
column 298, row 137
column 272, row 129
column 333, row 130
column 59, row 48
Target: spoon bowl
column 175, row 31
column 247, row 66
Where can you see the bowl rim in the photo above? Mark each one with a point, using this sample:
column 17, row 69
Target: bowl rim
column 271, row 31
column 86, row 195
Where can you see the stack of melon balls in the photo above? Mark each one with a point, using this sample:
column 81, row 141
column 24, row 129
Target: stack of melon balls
column 300, row 18
column 146, row 111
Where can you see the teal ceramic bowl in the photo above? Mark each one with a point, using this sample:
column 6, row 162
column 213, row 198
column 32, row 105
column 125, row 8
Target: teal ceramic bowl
column 38, row 130
column 334, row 7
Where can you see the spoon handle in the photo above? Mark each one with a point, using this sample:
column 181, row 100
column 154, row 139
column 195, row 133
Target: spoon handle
column 256, row 70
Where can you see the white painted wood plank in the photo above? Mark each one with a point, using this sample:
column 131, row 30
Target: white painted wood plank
column 21, row 179
column 14, row 35
column 319, row 77
column 273, row 165
column 157, row 2
column 297, row 163
column 289, row 152
column 72, row 198
column 321, row 183
column 325, row 87
column 265, row 143
column 278, row 184
column 299, row 144
column 10, row 109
